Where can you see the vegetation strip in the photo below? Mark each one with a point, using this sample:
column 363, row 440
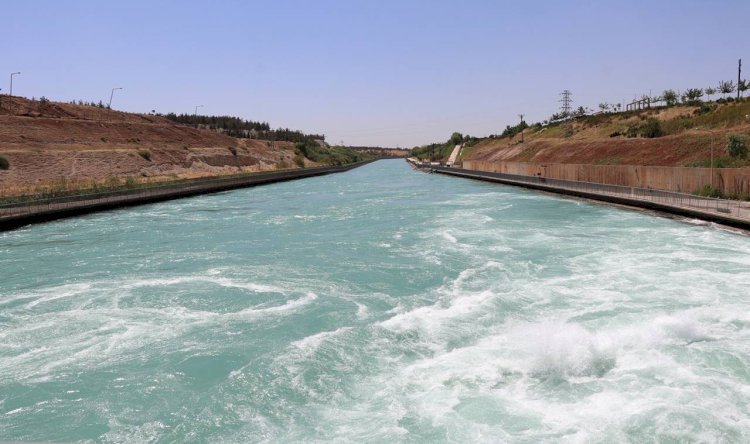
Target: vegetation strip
column 720, row 217
column 15, row 216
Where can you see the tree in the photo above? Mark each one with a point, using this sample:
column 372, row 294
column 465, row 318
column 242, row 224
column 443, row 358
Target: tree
column 726, row 87
column 743, row 86
column 670, row 97
column 736, row 147
column 579, row 112
column 692, row 95
column 457, row 138
column 710, row 91
column 604, row 107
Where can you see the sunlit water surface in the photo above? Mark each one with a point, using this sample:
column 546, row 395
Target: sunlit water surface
column 378, row 305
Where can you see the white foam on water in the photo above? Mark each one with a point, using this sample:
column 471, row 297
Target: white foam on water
column 634, row 332
column 362, row 311
column 432, row 318
column 310, row 344
column 289, row 306
column 535, row 369
column 448, row 236
column 210, row 278
column 560, row 350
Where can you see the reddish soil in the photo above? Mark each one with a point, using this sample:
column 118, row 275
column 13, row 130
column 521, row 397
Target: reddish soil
column 55, row 144
column 589, row 140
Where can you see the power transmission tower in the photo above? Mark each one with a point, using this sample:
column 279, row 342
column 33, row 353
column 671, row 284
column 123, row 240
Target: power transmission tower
column 520, row 116
column 566, row 101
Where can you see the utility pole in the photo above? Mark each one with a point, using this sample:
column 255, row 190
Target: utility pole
column 195, row 113
column 520, row 116
column 739, row 75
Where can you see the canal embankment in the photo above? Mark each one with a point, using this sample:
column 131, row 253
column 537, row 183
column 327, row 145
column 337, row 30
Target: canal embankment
column 16, row 215
column 722, row 211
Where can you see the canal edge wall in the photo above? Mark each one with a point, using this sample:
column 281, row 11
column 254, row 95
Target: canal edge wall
column 678, row 179
column 718, row 218
column 53, row 209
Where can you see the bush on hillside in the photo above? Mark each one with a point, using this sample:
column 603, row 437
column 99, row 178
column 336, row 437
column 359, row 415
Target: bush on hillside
column 736, row 147
column 651, row 129
column 4, row 164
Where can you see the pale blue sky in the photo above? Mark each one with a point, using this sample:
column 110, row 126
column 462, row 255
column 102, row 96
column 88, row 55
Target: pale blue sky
column 392, row 73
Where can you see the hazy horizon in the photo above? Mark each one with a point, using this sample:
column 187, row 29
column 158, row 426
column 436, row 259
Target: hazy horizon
column 379, row 74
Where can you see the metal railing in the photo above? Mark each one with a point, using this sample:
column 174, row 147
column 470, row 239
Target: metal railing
column 734, row 208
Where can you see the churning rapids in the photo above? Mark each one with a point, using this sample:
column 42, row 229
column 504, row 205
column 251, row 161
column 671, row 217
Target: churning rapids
column 377, row 305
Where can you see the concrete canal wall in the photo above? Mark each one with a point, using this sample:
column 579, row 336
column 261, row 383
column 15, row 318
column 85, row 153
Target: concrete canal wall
column 679, row 179
column 731, row 213
column 17, row 215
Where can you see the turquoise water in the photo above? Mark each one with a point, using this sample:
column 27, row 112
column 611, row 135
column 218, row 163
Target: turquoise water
column 377, row 305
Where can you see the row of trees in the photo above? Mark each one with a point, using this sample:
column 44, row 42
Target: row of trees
column 438, row 151
column 671, row 97
column 693, row 95
column 578, row 112
column 241, row 128
column 99, row 104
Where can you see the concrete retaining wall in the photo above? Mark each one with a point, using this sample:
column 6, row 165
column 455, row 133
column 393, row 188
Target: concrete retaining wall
column 683, row 180
column 14, row 216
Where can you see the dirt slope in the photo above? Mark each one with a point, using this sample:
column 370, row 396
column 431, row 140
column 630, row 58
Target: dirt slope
column 689, row 136
column 56, row 144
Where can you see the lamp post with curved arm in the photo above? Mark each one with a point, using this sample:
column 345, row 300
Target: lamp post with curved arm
column 10, row 93
column 109, row 105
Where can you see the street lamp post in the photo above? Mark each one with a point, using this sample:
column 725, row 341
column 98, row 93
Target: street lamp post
column 712, row 153
column 11, row 81
column 112, row 93
column 10, row 93
column 195, row 114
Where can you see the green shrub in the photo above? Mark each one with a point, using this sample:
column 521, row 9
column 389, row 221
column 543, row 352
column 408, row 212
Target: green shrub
column 704, row 109
column 327, row 155
column 651, row 129
column 4, row 164
column 736, row 147
column 709, row 191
